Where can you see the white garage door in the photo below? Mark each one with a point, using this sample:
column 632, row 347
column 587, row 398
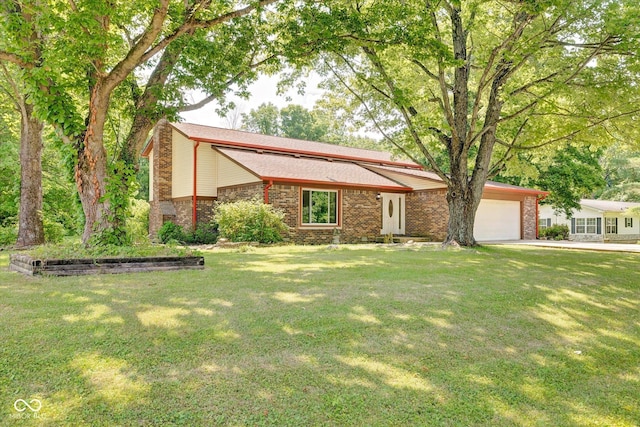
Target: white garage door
column 497, row 220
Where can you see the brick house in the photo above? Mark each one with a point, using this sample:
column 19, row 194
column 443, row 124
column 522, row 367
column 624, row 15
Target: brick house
column 322, row 188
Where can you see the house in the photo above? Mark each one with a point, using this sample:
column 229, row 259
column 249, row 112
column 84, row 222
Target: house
column 597, row 221
column 322, row 188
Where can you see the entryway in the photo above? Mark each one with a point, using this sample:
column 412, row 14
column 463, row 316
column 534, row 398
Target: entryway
column 393, row 213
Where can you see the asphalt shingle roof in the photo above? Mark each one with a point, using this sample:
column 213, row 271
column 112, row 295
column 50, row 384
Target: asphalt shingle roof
column 309, row 170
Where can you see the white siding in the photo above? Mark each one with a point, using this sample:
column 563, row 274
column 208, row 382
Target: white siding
column 634, row 229
column 207, row 173
column 182, row 166
column 150, row 175
column 497, row 220
column 230, row 173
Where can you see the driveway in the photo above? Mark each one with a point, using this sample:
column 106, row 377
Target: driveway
column 566, row 244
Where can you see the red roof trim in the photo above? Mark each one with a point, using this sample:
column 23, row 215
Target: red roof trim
column 305, row 152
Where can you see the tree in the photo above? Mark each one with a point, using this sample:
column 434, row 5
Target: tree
column 292, row 121
column 30, row 221
column 463, row 86
column 265, row 120
column 573, row 173
column 99, row 44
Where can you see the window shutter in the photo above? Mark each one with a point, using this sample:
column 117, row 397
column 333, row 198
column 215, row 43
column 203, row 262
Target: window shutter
column 548, row 222
column 599, row 225
column 573, row 226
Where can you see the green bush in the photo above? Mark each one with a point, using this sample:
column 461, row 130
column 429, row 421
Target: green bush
column 555, row 232
column 170, row 231
column 202, row 235
column 250, row 221
column 54, row 232
column 138, row 222
column 8, row 235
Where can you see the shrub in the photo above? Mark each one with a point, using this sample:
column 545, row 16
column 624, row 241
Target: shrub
column 555, row 232
column 54, row 232
column 203, row 234
column 170, row 231
column 250, row 221
column 138, row 222
column 8, row 235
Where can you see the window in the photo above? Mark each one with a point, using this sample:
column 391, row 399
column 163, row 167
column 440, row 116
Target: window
column 544, row 223
column 586, row 225
column 611, row 225
column 319, row 207
column 628, row 223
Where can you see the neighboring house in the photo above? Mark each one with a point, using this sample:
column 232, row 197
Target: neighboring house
column 597, row 220
column 324, row 189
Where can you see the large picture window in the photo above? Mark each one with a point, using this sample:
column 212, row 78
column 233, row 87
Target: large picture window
column 585, row 225
column 319, row 207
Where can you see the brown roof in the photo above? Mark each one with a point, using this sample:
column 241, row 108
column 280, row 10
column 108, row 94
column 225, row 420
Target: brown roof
column 235, row 138
column 288, row 168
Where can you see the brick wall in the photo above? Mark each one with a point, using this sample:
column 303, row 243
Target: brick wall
column 427, row 214
column 162, row 169
column 529, row 218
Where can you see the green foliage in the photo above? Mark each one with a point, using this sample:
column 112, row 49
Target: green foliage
column 72, row 249
column 574, row 173
column 121, row 185
column 170, row 231
column 138, row 221
column 555, row 232
column 8, row 235
column 54, row 232
column 202, row 235
column 292, row 121
column 250, row 221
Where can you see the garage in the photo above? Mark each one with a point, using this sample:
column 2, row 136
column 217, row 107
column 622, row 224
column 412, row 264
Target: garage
column 497, row 220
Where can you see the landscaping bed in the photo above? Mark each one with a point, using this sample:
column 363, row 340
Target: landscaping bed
column 26, row 264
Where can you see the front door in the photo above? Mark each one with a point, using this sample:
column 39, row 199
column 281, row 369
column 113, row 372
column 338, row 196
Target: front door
column 392, row 213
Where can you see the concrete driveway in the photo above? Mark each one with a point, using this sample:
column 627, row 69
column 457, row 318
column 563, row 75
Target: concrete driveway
column 566, row 244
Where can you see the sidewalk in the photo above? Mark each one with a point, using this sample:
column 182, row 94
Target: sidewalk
column 566, row 244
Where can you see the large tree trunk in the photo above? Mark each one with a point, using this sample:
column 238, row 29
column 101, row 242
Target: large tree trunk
column 91, row 169
column 30, row 226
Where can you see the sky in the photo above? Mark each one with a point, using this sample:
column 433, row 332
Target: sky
column 262, row 91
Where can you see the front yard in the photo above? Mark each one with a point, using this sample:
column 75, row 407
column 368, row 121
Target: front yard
column 358, row 335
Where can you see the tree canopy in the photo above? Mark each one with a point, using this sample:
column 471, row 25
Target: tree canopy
column 464, row 86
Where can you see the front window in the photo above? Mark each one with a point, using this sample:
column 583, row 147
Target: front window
column 319, row 207
column 611, row 225
column 628, row 222
column 544, row 223
column 587, row 226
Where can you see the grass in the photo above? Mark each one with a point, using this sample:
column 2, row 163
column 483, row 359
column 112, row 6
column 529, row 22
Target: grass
column 359, row 335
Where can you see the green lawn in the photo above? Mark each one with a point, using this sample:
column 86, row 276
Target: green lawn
column 359, row 335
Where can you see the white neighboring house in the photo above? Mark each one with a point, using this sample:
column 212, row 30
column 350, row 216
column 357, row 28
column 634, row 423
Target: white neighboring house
column 596, row 221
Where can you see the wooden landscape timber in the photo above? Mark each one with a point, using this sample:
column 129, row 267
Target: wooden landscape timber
column 74, row 267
